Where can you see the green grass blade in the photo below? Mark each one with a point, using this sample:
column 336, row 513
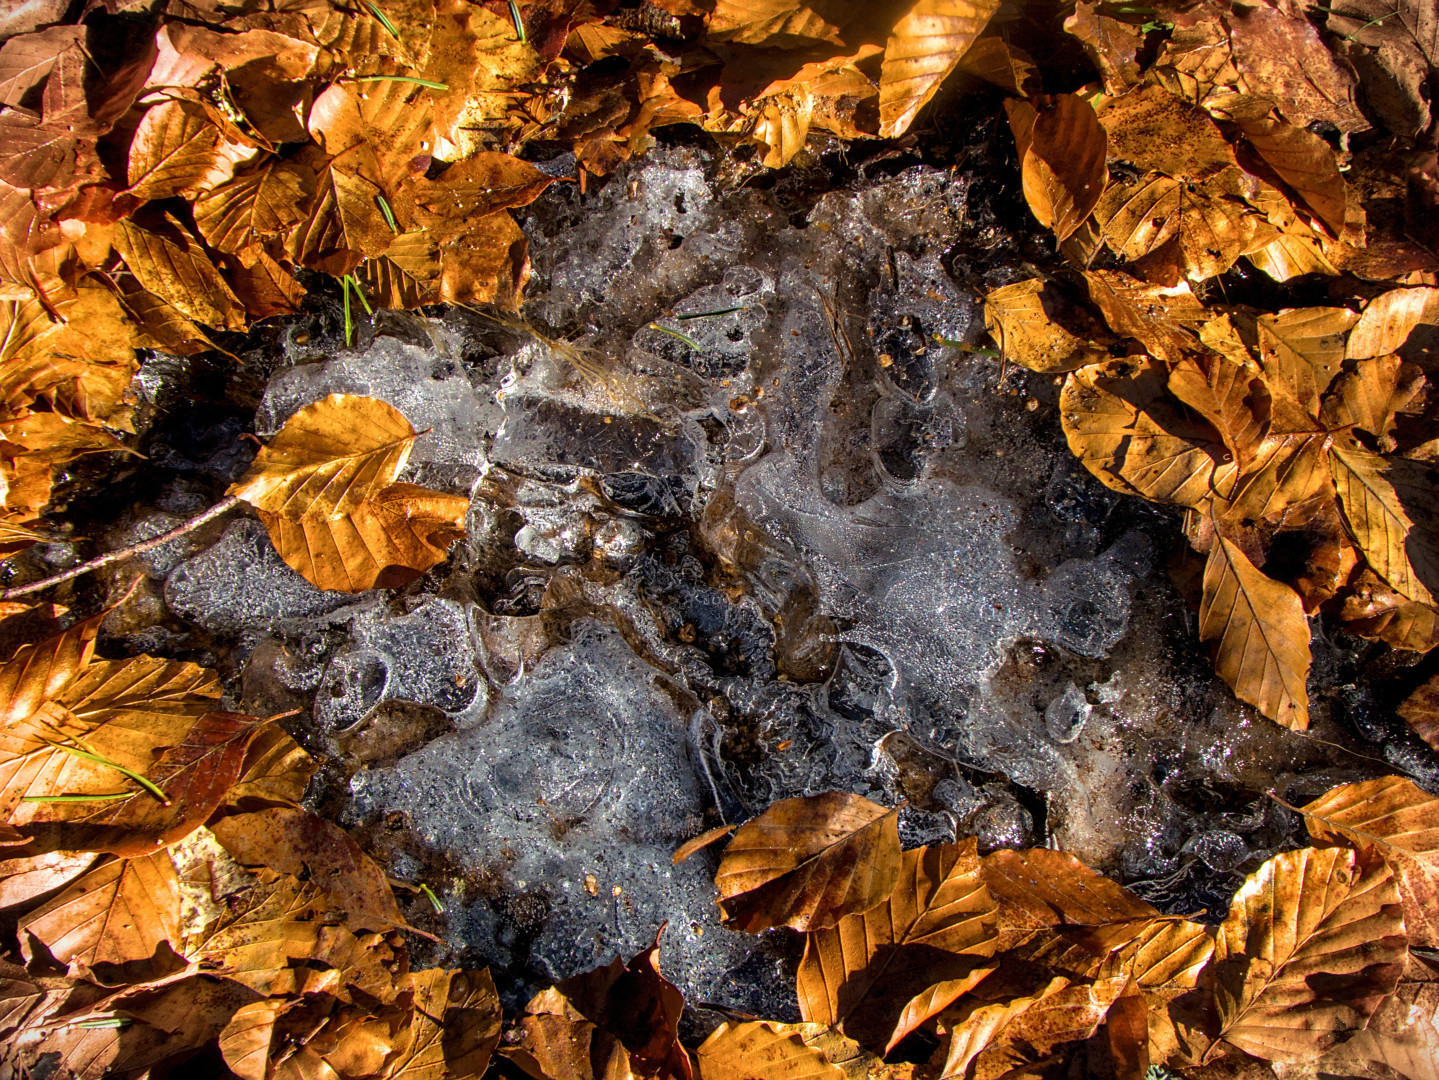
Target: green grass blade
column 519, row 22
column 691, row 342
column 389, row 214
column 99, row 759
column 432, row 898
column 108, row 795
column 411, row 79
column 384, row 20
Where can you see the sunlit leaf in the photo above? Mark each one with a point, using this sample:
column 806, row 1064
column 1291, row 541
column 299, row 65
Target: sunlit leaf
column 1259, row 633
column 1421, row 711
column 328, row 459
column 1368, row 396
column 1381, row 499
column 1305, row 162
column 808, row 862
column 455, row 1028
column 936, row 926
column 1400, row 821
column 1016, row 317
column 924, row 46
column 1388, row 320
column 1231, row 396
column 1160, row 317
column 1157, row 132
column 1301, row 350
column 176, row 150
column 777, row 23
column 239, row 216
column 406, row 275
column 742, row 1051
column 182, row 276
column 120, row 911
column 1062, row 159
column 344, row 226
column 1331, row 911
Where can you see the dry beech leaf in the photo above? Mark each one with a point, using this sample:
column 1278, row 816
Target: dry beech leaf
column 1368, row 396
column 406, row 275
column 1378, row 497
column 276, row 771
column 1286, row 470
column 937, row 926
column 384, row 543
column 777, row 23
column 700, row 842
column 328, row 459
column 1303, row 161
column 1314, row 941
column 1260, row 635
column 1402, row 1037
column 1401, row 822
column 1157, row 132
column 1062, row 153
column 245, row 1041
column 1178, row 229
column 808, row 862
column 1006, row 66
column 1112, row 44
column 184, row 277
column 1371, row 609
column 122, row 910
column 1016, row 318
column 1301, row 351
column 743, row 1051
column 237, row 217
column 265, row 287
column 344, row 226
column 1122, row 424
column 1296, row 251
column 1421, row 711
column 455, row 1027
column 293, row 841
column 923, row 47
column 1388, row 319
column 176, row 150
column 1231, row 396
column 1160, row 317
column 26, row 880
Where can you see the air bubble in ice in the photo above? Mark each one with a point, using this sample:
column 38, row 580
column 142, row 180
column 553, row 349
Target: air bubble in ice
column 1064, row 717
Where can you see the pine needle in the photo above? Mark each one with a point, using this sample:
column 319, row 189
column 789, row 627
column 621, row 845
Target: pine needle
column 100, row 759
column 432, row 898
column 691, row 342
column 411, row 79
column 105, row 796
column 349, row 321
column 389, row 214
column 711, row 314
column 384, row 20
column 519, row 22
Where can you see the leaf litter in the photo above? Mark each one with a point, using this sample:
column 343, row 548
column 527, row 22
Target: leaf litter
column 176, row 171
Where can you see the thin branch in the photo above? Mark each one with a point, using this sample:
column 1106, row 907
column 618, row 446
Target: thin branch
column 224, row 506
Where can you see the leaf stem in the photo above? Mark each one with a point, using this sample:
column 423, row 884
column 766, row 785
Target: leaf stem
column 224, row 506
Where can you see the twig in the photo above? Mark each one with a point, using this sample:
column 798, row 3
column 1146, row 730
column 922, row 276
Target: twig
column 224, row 506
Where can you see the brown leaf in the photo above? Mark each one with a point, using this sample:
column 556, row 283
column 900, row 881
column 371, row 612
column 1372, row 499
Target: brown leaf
column 1062, row 153
column 237, row 217
column 808, row 862
column 936, row 926
column 294, row 841
column 1260, row 635
column 1301, row 350
column 1401, row 1039
column 777, row 23
column 406, row 276
column 742, row 1051
column 488, row 263
column 1160, row 317
column 182, row 276
column 923, row 47
column 1381, row 499
column 328, row 459
column 1231, row 396
column 455, row 1027
column 26, row 60
column 25, row 880
column 1007, row 66
column 481, row 184
column 176, row 150
column 1027, row 333
column 1157, row 132
column 1198, row 230
column 1421, row 711
column 246, row 1038
column 1303, row 161
column 276, row 771
column 1373, row 610
column 700, row 842
column 1122, row 424
column 1389, row 318
column 1286, row 471
column 1369, row 395
column 384, row 543
column 1392, row 816
column 1112, row 44
column 122, row 910
column 265, row 288
column 1331, row 911
column 345, row 225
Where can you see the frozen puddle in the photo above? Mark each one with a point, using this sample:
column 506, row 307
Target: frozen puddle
column 802, row 541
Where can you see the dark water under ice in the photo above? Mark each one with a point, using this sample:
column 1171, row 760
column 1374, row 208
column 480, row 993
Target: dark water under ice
column 804, row 541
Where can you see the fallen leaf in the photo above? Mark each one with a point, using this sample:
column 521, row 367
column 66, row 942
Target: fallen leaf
column 296, row 842
column 345, row 225
column 924, row 46
column 1016, row 317
column 808, row 862
column 1061, row 149
column 406, row 275
column 181, row 276
column 1368, row 396
column 1007, row 66
column 1401, row 1039
column 777, row 23
column 1331, row 911
column 120, row 911
column 1400, row 821
column 238, row 216
column 1372, row 494
column 455, row 1027
column 1285, row 471
column 1197, row 229
column 1231, row 396
column 1373, row 610
column 1160, row 317
column 176, row 150
column 936, row 926
column 1122, row 424
column 276, row 771
column 384, row 543
column 1112, row 44
column 1157, row 132
column 1259, row 633
column 1421, row 711
column 27, row 879
column 1301, row 351
column 743, row 1051
column 1305, row 162
column 329, row 459
column 1389, row 318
